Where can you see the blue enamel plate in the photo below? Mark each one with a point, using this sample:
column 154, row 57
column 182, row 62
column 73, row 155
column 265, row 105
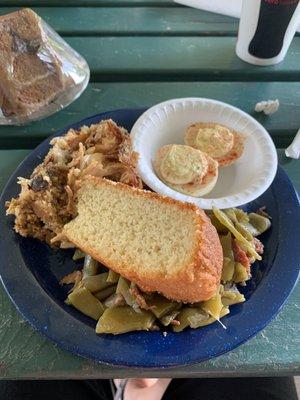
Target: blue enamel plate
column 30, row 272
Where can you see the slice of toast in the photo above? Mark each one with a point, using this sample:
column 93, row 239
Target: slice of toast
column 30, row 73
column 159, row 243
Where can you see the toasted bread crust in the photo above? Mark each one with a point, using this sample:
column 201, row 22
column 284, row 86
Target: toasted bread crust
column 196, row 281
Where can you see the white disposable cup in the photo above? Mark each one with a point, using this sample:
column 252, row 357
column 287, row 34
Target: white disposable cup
column 275, row 27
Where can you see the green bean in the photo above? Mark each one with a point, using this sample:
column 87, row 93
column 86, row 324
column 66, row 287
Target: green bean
column 232, row 297
column 240, row 273
column 229, row 294
column 260, row 223
column 113, row 276
column 221, row 229
column 78, row 255
column 190, row 316
column 85, row 302
column 246, row 226
column 97, row 282
column 90, row 266
column 231, row 214
column 246, row 232
column 221, row 289
column 124, row 319
column 168, row 318
column 123, row 287
column 213, row 306
column 115, row 300
column 227, row 270
column 241, row 222
column 241, row 216
column 161, row 306
column 105, row 293
column 228, row 261
column 196, row 321
column 224, row 311
column 223, row 218
column 226, row 242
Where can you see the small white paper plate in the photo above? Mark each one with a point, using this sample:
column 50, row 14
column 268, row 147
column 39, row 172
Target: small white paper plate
column 237, row 184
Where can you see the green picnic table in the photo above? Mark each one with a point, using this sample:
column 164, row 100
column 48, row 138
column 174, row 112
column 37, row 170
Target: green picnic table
column 142, row 52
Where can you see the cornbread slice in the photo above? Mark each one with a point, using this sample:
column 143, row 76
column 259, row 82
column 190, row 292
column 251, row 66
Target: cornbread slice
column 159, row 243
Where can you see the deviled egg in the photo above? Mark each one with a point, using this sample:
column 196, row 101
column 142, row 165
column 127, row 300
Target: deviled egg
column 186, row 170
column 219, row 142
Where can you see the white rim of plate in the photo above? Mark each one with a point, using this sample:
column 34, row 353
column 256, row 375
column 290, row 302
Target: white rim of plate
column 264, row 180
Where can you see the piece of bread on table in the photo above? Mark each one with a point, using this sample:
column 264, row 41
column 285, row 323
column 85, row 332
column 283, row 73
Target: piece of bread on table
column 30, row 73
column 159, row 243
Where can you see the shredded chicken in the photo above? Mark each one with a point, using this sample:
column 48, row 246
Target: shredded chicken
column 139, row 298
column 262, row 211
column 47, row 200
column 74, row 277
column 259, row 247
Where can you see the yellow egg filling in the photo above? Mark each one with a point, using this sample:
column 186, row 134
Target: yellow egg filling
column 182, row 164
column 216, row 141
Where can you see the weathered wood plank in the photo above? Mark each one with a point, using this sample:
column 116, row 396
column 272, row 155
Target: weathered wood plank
column 103, row 97
column 177, row 58
column 137, row 58
column 134, row 21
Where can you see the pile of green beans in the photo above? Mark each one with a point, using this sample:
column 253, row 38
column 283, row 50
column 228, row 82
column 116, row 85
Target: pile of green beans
column 119, row 306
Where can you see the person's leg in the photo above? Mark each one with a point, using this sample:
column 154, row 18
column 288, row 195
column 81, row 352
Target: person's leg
column 141, row 389
column 58, row 390
column 277, row 388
